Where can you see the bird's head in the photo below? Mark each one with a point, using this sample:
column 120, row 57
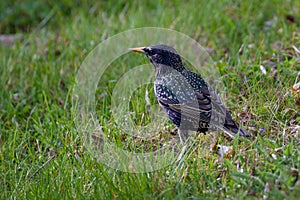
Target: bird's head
column 161, row 56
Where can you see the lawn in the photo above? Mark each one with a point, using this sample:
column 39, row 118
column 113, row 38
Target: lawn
column 253, row 45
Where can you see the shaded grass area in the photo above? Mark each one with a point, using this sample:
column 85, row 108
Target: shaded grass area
column 37, row 75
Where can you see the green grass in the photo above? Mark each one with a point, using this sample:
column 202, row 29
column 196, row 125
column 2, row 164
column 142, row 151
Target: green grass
column 41, row 153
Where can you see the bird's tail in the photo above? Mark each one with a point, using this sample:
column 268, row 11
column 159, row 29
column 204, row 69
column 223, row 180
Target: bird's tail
column 233, row 128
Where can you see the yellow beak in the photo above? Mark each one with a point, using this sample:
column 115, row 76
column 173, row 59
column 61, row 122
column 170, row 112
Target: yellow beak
column 138, row 49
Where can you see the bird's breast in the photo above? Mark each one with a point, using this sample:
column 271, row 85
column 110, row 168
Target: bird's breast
column 174, row 86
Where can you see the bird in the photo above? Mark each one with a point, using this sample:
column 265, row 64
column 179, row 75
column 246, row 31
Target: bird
column 188, row 100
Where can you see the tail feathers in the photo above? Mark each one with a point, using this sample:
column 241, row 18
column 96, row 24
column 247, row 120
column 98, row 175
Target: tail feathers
column 236, row 130
column 233, row 128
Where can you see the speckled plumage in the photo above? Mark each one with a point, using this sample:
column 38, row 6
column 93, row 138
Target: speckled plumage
column 185, row 97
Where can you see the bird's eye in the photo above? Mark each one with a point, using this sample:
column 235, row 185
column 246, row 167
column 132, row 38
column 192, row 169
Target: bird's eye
column 149, row 51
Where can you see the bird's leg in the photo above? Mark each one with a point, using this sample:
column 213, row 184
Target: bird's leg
column 183, row 135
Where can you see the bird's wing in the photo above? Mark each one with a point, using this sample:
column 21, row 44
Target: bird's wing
column 200, row 111
column 202, row 104
column 207, row 97
column 197, row 106
column 209, row 107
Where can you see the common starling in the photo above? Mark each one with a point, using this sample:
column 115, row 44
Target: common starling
column 185, row 97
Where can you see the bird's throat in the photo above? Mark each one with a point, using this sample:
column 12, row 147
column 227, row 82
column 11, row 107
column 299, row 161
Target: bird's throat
column 165, row 70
